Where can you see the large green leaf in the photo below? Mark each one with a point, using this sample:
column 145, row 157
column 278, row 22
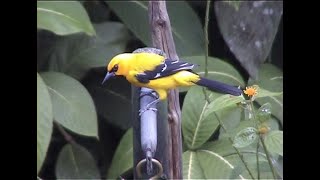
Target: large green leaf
column 76, row 54
column 189, row 40
column 271, row 78
column 217, row 69
column 250, row 159
column 196, row 129
column 213, row 165
column 232, row 119
column 123, row 157
column 222, row 102
column 117, row 91
column 44, row 121
column 265, row 93
column 75, row 162
column 191, row 166
column 232, row 132
column 245, row 137
column 264, row 113
column 196, row 126
column 72, row 104
column 112, row 100
column 224, row 148
column 274, row 142
column 63, row 18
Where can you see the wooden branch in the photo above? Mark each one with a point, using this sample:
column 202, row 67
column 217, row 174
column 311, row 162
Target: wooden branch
column 162, row 39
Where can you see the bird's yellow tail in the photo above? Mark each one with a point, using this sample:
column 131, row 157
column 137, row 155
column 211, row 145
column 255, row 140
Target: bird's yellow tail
column 219, row 86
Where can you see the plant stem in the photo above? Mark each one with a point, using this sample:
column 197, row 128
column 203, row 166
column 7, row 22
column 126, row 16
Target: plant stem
column 238, row 152
column 268, row 156
column 206, row 46
column 257, row 155
column 253, row 113
column 262, row 141
column 66, row 136
column 206, row 37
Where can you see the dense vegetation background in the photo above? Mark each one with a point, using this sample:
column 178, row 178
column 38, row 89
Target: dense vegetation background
column 84, row 128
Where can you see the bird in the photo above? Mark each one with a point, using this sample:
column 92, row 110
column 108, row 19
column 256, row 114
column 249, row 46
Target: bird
column 161, row 74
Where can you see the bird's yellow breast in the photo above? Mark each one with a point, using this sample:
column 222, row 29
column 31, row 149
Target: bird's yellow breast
column 181, row 78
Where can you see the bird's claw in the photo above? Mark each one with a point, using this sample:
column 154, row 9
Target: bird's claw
column 141, row 111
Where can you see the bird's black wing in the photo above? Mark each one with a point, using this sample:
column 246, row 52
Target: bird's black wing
column 167, row 68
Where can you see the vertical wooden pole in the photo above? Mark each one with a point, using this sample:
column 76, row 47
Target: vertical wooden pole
column 162, row 39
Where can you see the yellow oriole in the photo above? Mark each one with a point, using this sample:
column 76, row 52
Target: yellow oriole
column 155, row 72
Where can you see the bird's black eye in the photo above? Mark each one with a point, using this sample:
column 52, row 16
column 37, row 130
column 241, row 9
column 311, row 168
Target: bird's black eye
column 115, row 68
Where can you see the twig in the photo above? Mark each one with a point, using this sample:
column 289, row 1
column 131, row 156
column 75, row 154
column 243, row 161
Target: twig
column 268, row 156
column 66, row 136
column 258, row 164
column 206, row 37
column 206, row 47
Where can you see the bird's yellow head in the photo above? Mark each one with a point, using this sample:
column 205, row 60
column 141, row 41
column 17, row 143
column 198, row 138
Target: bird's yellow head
column 118, row 65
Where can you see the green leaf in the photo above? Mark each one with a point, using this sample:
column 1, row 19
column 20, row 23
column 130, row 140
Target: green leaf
column 44, row 121
column 196, row 128
column 245, row 137
column 119, row 93
column 122, row 160
column 75, row 162
column 232, row 132
column 76, row 54
column 265, row 93
column 217, row 69
column 188, row 40
column 274, row 142
column 63, row 18
column 264, row 113
column 224, row 148
column 213, row 165
column 112, row 38
column 273, row 123
column 191, row 166
column 222, row 102
column 250, row 159
column 230, row 119
column 270, row 78
column 72, row 104
column 112, row 99
column 134, row 16
column 198, row 123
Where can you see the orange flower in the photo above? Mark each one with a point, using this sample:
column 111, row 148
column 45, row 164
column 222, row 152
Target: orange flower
column 251, row 90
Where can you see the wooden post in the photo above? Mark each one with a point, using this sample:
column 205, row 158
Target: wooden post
column 162, row 39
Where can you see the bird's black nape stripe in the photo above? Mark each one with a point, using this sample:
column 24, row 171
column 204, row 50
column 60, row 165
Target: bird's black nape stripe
column 219, row 86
